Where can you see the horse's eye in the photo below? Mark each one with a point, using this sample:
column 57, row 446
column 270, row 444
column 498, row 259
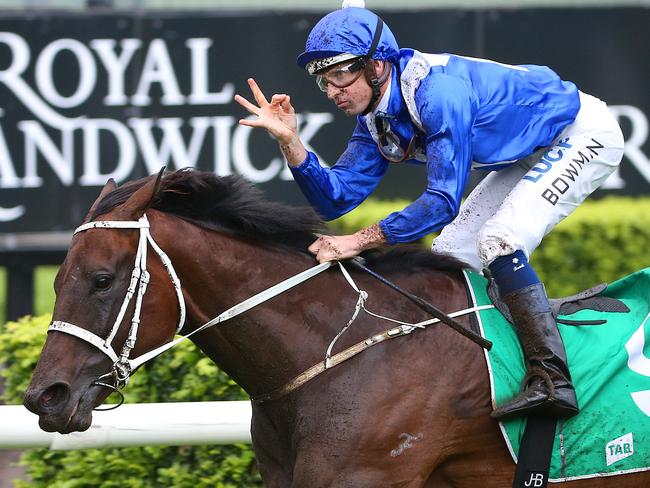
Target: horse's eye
column 103, row 282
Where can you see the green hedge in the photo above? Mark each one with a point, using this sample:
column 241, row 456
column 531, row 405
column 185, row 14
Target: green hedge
column 43, row 290
column 602, row 241
column 181, row 374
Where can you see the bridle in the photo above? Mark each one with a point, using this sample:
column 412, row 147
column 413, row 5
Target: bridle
column 123, row 366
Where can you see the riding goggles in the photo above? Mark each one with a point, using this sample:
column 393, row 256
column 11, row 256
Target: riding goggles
column 341, row 76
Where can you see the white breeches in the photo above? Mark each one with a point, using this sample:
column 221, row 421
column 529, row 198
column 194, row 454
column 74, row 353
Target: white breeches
column 513, row 209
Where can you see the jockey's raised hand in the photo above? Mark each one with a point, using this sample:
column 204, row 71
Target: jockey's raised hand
column 278, row 117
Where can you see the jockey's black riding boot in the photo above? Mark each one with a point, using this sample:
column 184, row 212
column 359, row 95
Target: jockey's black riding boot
column 546, row 388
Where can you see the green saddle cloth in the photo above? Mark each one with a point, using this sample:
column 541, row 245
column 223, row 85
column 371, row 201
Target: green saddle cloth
column 610, row 367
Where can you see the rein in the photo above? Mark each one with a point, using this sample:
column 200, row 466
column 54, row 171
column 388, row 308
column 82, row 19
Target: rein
column 447, row 319
column 123, row 367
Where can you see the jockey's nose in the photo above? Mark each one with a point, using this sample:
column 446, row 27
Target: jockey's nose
column 47, row 400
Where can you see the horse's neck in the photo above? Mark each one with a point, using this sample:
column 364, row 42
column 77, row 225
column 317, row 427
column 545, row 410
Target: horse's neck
column 273, row 342
column 263, row 346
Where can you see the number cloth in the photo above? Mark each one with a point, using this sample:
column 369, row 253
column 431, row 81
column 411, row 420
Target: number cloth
column 610, row 366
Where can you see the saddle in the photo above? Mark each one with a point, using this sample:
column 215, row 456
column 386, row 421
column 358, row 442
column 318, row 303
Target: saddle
column 609, row 367
column 590, row 299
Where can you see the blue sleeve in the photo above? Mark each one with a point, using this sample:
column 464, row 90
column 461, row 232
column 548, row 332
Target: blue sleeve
column 446, row 109
column 337, row 190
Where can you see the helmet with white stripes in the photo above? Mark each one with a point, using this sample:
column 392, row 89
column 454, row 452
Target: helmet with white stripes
column 346, row 34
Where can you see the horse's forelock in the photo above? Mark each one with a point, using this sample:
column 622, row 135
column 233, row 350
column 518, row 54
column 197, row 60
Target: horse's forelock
column 116, row 198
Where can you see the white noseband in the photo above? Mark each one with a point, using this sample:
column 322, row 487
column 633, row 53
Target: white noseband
column 121, row 364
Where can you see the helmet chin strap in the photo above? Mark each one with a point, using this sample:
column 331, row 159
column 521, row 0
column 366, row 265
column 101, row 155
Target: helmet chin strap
column 371, row 73
column 375, row 82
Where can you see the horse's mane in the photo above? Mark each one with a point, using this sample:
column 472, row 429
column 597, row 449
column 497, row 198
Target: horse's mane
column 232, row 204
column 410, row 258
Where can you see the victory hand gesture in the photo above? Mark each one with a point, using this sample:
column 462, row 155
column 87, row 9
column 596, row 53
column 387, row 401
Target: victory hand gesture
column 278, row 117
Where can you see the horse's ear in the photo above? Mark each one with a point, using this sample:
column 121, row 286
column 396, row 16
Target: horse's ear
column 108, row 187
column 139, row 202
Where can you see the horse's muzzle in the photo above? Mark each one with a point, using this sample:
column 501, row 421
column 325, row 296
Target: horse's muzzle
column 48, row 400
column 57, row 410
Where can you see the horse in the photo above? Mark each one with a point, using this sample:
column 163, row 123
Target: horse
column 410, row 412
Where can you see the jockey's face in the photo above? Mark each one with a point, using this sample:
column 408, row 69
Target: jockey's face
column 354, row 98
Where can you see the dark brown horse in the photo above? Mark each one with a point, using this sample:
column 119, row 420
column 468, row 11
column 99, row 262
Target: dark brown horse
column 409, row 412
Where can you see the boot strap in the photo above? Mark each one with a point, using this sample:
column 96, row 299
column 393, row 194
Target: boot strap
column 542, row 374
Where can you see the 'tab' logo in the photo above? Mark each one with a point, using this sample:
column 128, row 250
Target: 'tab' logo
column 619, row 448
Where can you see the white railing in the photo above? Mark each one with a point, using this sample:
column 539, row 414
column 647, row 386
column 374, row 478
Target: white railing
column 141, row 424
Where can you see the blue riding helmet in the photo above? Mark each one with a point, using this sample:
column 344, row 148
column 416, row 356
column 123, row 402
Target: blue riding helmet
column 345, row 34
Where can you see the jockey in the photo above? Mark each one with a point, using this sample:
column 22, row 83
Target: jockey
column 544, row 144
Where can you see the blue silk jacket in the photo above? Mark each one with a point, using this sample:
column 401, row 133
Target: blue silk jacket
column 465, row 113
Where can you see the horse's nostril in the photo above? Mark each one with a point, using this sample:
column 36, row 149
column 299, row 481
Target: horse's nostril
column 54, row 395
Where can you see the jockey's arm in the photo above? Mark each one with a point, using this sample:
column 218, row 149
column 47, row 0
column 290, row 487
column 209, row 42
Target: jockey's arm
column 447, row 123
column 337, row 190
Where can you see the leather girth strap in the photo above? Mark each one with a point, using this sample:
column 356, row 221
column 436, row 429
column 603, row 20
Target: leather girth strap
column 535, row 450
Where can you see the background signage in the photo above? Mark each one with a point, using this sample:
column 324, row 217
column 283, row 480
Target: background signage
column 85, row 97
